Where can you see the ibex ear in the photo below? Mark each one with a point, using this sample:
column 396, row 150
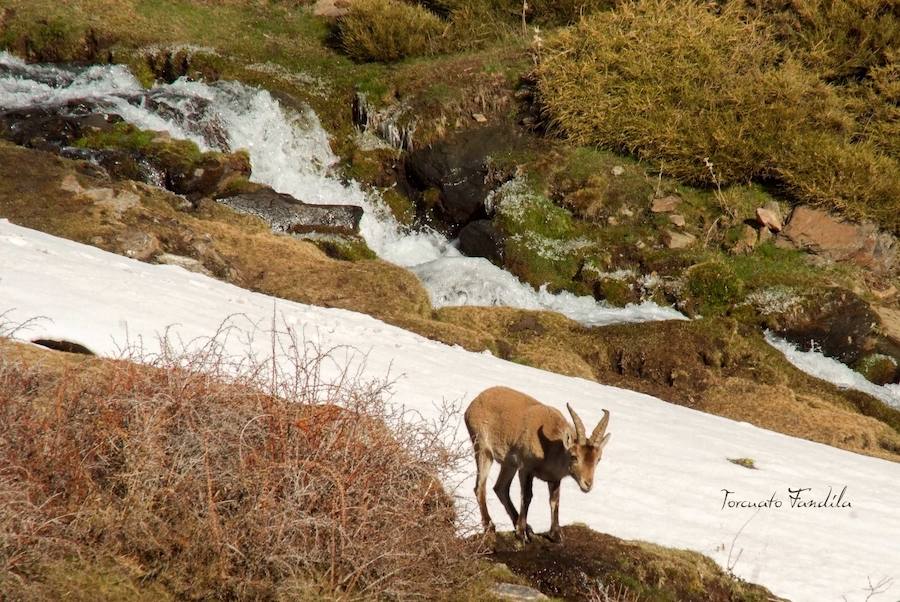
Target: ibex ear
column 568, row 440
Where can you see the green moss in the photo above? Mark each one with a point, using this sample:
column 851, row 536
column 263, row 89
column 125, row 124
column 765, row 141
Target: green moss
column 403, row 209
column 122, row 136
column 345, row 248
column 712, row 287
column 542, row 243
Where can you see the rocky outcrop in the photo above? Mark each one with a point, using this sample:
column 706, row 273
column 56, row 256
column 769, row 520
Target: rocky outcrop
column 81, row 130
column 835, row 321
column 284, row 213
column 864, row 244
column 453, row 175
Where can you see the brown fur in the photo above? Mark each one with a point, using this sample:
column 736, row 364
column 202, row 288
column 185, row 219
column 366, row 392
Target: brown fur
column 533, row 440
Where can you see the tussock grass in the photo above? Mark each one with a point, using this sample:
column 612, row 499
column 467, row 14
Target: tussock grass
column 186, row 475
column 674, row 83
column 839, row 39
column 389, row 30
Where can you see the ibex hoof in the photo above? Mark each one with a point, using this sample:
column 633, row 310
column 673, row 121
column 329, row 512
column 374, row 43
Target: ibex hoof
column 525, row 535
column 489, row 527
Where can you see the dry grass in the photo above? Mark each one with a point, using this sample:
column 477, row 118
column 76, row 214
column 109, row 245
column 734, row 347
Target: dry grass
column 675, row 83
column 388, row 30
column 185, row 475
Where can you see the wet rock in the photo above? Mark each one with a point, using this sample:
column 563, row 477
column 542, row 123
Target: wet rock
column 52, row 128
column 818, row 232
column 457, row 169
column 678, row 240
column 666, row 204
column 835, row 321
column 770, row 216
column 284, row 213
column 481, row 239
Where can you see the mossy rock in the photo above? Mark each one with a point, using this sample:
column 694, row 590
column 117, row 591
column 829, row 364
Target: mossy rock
column 345, row 248
column 879, row 368
column 711, row 288
column 543, row 244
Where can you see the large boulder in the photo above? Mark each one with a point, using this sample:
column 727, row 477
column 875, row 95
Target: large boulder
column 284, row 213
column 458, row 170
column 863, row 244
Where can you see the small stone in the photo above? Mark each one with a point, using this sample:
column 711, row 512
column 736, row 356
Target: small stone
column 746, row 242
column 612, row 221
column 618, row 170
column 479, row 118
column 666, row 204
column 765, row 235
column 770, row 217
column 188, row 263
column 678, row 240
column 517, row 593
column 138, row 245
column 884, row 294
column 625, row 211
column 677, row 220
column 70, row 184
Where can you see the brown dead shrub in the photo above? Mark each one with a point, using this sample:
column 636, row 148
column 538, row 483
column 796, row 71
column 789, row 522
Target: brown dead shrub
column 213, row 488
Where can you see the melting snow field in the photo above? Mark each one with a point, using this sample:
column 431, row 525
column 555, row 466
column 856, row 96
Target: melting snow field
column 290, row 152
column 661, row 478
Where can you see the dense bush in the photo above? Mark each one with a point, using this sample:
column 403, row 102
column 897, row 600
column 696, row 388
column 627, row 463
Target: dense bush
column 836, row 38
column 677, row 84
column 201, row 484
column 389, row 30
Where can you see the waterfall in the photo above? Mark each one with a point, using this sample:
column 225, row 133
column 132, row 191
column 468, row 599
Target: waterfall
column 290, row 151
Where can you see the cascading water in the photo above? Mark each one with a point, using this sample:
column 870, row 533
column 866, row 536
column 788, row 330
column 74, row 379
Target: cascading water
column 817, row 364
column 290, row 152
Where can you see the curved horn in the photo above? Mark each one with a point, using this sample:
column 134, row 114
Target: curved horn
column 600, row 429
column 579, row 425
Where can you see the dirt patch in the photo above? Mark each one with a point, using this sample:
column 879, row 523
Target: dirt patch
column 588, row 564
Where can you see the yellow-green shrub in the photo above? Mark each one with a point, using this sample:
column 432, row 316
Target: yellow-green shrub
column 389, row 30
column 674, row 83
column 837, row 38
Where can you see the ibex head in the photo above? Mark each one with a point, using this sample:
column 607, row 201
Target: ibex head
column 584, row 453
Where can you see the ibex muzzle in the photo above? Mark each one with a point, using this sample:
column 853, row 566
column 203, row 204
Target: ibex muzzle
column 533, row 440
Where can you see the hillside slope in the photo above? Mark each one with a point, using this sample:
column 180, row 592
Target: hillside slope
column 661, row 480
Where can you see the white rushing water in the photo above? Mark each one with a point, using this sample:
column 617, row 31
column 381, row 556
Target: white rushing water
column 291, row 153
column 816, row 364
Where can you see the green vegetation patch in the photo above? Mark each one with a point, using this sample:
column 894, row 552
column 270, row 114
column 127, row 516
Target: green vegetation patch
column 712, row 287
column 543, row 244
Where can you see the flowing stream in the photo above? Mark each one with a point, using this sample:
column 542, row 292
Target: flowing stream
column 290, row 152
column 829, row 369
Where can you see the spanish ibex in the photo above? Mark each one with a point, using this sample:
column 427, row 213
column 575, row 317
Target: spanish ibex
column 533, row 439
